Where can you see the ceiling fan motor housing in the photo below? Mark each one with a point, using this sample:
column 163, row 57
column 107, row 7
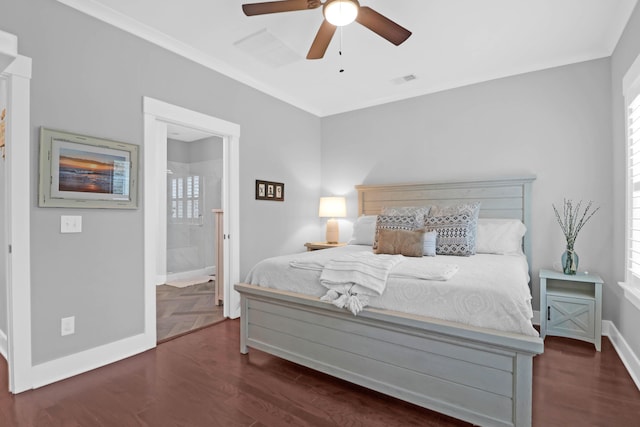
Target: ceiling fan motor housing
column 340, row 12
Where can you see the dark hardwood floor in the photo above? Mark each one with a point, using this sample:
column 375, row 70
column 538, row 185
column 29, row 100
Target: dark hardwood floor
column 200, row 379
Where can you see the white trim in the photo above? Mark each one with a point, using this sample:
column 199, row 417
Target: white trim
column 185, row 275
column 160, row 190
column 18, row 223
column 632, row 293
column 156, row 115
column 78, row 363
column 231, row 225
column 8, row 49
column 630, row 90
column 626, row 354
column 3, row 344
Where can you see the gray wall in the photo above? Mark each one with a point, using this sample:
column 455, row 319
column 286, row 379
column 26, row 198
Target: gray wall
column 89, row 78
column 177, row 151
column 624, row 314
column 555, row 124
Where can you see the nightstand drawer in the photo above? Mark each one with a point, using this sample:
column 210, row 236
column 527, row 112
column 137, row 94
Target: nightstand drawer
column 570, row 316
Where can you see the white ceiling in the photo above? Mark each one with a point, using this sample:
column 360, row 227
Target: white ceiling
column 454, row 43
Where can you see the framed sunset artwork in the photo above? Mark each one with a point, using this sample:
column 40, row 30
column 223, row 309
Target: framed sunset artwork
column 79, row 171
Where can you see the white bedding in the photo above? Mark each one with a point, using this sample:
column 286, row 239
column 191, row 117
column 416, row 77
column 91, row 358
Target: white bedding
column 488, row 291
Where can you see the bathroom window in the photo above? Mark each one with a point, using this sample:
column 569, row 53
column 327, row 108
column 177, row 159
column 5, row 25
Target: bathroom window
column 186, row 200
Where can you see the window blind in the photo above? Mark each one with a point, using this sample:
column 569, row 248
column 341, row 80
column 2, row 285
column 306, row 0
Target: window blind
column 633, row 145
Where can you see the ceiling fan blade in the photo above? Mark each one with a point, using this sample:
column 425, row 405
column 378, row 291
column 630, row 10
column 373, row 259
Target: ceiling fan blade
column 382, row 26
column 275, row 7
column 322, row 40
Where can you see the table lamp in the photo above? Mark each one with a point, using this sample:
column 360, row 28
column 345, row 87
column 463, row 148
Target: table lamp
column 332, row 208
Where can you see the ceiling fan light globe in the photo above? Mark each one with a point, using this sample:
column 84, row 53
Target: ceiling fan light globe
column 340, row 12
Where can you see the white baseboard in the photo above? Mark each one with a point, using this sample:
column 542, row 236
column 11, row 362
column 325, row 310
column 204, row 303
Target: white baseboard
column 69, row 366
column 183, row 275
column 4, row 347
column 628, row 357
column 172, row 277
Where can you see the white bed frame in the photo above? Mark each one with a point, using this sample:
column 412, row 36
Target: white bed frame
column 478, row 375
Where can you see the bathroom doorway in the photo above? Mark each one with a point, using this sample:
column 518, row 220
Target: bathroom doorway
column 187, row 300
column 158, row 117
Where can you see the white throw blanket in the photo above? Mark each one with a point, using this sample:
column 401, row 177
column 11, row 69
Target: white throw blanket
column 353, row 278
column 424, row 269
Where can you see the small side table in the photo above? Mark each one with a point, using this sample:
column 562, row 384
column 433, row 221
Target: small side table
column 314, row 246
column 571, row 306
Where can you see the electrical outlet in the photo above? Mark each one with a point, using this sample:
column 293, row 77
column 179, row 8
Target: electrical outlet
column 70, row 224
column 67, row 325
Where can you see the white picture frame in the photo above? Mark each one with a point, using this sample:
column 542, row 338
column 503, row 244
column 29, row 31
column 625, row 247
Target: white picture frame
column 79, row 171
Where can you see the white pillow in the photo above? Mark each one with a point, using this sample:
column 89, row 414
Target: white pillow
column 429, row 245
column 364, row 230
column 499, row 236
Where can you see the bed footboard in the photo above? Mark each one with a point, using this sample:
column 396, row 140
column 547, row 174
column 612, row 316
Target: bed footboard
column 480, row 376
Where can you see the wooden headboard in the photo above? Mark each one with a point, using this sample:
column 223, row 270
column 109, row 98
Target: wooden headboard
column 499, row 198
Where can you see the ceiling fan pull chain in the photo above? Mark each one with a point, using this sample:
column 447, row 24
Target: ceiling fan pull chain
column 340, row 51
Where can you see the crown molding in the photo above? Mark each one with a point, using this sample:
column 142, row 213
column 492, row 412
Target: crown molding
column 145, row 32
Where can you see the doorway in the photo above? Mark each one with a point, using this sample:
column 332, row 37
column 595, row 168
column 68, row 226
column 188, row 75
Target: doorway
column 159, row 117
column 187, row 301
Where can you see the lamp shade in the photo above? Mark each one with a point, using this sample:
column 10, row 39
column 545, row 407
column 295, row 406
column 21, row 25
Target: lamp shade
column 332, row 207
column 340, row 12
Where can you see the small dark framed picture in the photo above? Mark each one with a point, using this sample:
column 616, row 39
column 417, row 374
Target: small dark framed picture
column 268, row 190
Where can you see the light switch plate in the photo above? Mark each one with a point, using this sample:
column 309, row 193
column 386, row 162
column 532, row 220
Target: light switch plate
column 70, row 224
column 67, row 325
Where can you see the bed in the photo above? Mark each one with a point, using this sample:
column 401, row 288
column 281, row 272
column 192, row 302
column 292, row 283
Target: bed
column 478, row 374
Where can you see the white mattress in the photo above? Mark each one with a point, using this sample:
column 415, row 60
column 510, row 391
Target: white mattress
column 488, row 291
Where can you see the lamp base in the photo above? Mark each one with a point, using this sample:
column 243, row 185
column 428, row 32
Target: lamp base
column 332, row 231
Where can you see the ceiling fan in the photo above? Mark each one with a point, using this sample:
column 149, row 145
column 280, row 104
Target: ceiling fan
column 336, row 14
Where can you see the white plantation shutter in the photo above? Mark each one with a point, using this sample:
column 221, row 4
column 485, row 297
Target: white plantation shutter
column 186, row 200
column 633, row 196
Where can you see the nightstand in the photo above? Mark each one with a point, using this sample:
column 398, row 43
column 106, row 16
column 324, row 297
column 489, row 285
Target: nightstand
column 314, row 246
column 571, row 306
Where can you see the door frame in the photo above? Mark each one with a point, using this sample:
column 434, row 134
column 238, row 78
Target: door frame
column 18, row 223
column 157, row 114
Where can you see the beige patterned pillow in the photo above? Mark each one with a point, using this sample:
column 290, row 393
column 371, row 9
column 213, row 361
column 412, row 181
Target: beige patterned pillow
column 400, row 242
column 400, row 222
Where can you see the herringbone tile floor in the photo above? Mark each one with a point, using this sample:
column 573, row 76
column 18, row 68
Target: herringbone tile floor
column 181, row 310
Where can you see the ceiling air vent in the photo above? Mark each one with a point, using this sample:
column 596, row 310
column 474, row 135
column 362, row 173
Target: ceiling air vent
column 404, row 79
column 267, row 48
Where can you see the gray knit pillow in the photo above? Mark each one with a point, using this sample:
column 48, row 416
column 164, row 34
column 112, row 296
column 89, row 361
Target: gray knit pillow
column 456, row 227
column 406, row 210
